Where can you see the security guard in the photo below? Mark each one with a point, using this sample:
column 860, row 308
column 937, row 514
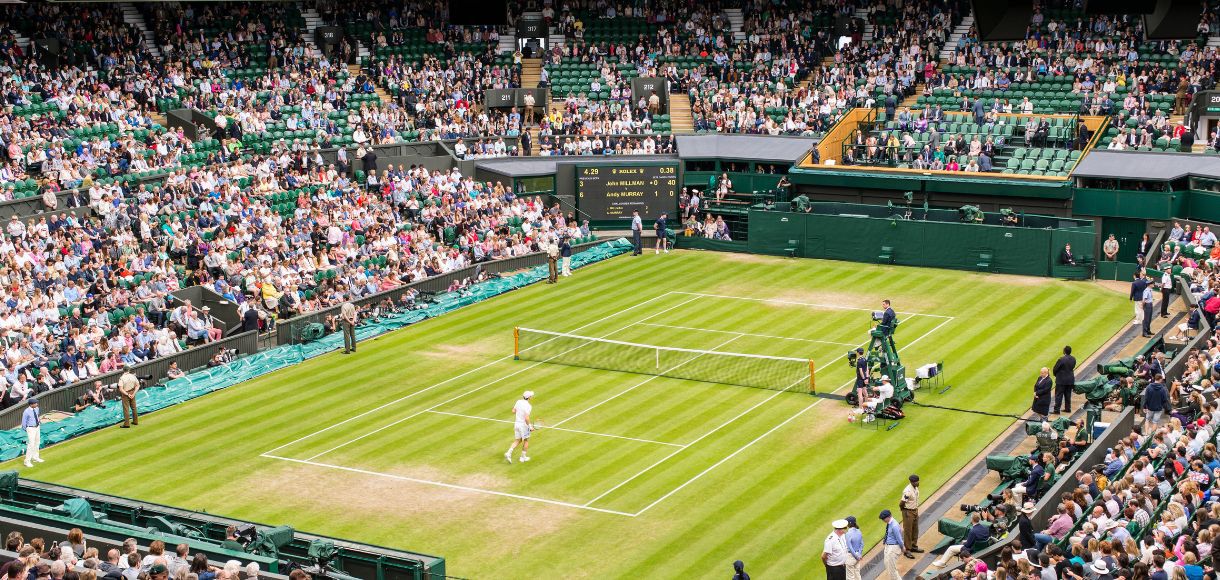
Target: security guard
column 552, row 259
column 910, row 516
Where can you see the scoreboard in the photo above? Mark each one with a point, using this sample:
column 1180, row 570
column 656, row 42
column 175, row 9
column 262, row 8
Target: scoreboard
column 612, row 192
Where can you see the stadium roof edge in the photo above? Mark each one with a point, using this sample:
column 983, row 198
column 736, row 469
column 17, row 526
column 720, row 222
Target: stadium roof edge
column 784, row 149
column 1146, row 165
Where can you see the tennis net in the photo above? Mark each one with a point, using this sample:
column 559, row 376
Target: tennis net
column 729, row 368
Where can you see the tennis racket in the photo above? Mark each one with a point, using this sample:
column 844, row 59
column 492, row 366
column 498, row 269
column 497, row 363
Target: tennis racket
column 538, row 424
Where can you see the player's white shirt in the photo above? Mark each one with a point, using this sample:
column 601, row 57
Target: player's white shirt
column 521, row 411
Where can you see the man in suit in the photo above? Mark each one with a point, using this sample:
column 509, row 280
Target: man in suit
column 1042, row 394
column 1066, row 258
column 1065, row 380
column 249, row 319
column 891, row 103
column 1137, row 292
column 888, row 318
column 980, row 111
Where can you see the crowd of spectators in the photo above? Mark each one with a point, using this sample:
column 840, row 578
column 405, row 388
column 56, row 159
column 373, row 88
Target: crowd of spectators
column 1149, row 509
column 74, row 559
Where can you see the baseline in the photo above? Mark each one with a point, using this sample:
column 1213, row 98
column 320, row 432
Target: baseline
column 795, row 303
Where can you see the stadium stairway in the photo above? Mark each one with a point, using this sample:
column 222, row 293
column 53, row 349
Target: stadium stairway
column 133, row 16
column 312, row 21
column 680, row 118
column 531, row 72
column 962, row 29
column 862, row 14
column 508, row 43
column 355, row 71
column 736, row 20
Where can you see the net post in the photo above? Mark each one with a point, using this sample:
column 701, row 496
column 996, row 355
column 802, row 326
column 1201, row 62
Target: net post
column 516, row 343
column 812, row 386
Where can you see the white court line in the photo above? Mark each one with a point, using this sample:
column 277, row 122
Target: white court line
column 553, row 428
column 644, row 382
column 778, row 301
column 749, row 334
column 451, row 486
column 587, row 505
column 769, row 431
column 451, row 379
column 700, row 438
column 734, row 454
column 489, row 383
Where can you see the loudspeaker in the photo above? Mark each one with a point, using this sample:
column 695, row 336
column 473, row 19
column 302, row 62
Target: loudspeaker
column 1002, row 19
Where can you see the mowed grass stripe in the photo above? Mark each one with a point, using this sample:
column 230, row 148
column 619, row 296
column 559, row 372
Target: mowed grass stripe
column 714, row 443
column 763, row 505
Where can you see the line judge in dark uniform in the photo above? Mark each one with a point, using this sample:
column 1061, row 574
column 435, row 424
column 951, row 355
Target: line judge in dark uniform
column 1042, row 394
column 861, row 377
column 662, row 231
column 637, row 230
column 1065, row 381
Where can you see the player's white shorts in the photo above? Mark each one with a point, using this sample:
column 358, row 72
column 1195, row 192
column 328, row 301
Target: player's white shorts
column 521, row 431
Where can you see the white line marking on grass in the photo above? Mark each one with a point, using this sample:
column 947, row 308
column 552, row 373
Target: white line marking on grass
column 777, row 301
column 453, row 378
column 769, row 431
column 554, row 428
column 928, row 333
column 489, row 383
column 644, row 382
column 749, row 334
column 700, row 438
column 450, row 485
column 733, row 454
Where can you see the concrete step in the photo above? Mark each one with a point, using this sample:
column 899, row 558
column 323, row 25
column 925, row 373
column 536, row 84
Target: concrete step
column 680, row 117
column 959, row 31
column 508, row 43
column 312, row 20
column 531, row 72
column 355, row 71
column 134, row 17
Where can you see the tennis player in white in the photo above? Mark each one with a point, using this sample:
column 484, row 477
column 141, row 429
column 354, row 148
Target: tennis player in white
column 522, row 426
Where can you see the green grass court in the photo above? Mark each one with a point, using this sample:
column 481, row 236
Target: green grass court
column 635, row 474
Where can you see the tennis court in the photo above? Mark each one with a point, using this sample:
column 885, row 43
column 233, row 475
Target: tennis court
column 623, row 422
